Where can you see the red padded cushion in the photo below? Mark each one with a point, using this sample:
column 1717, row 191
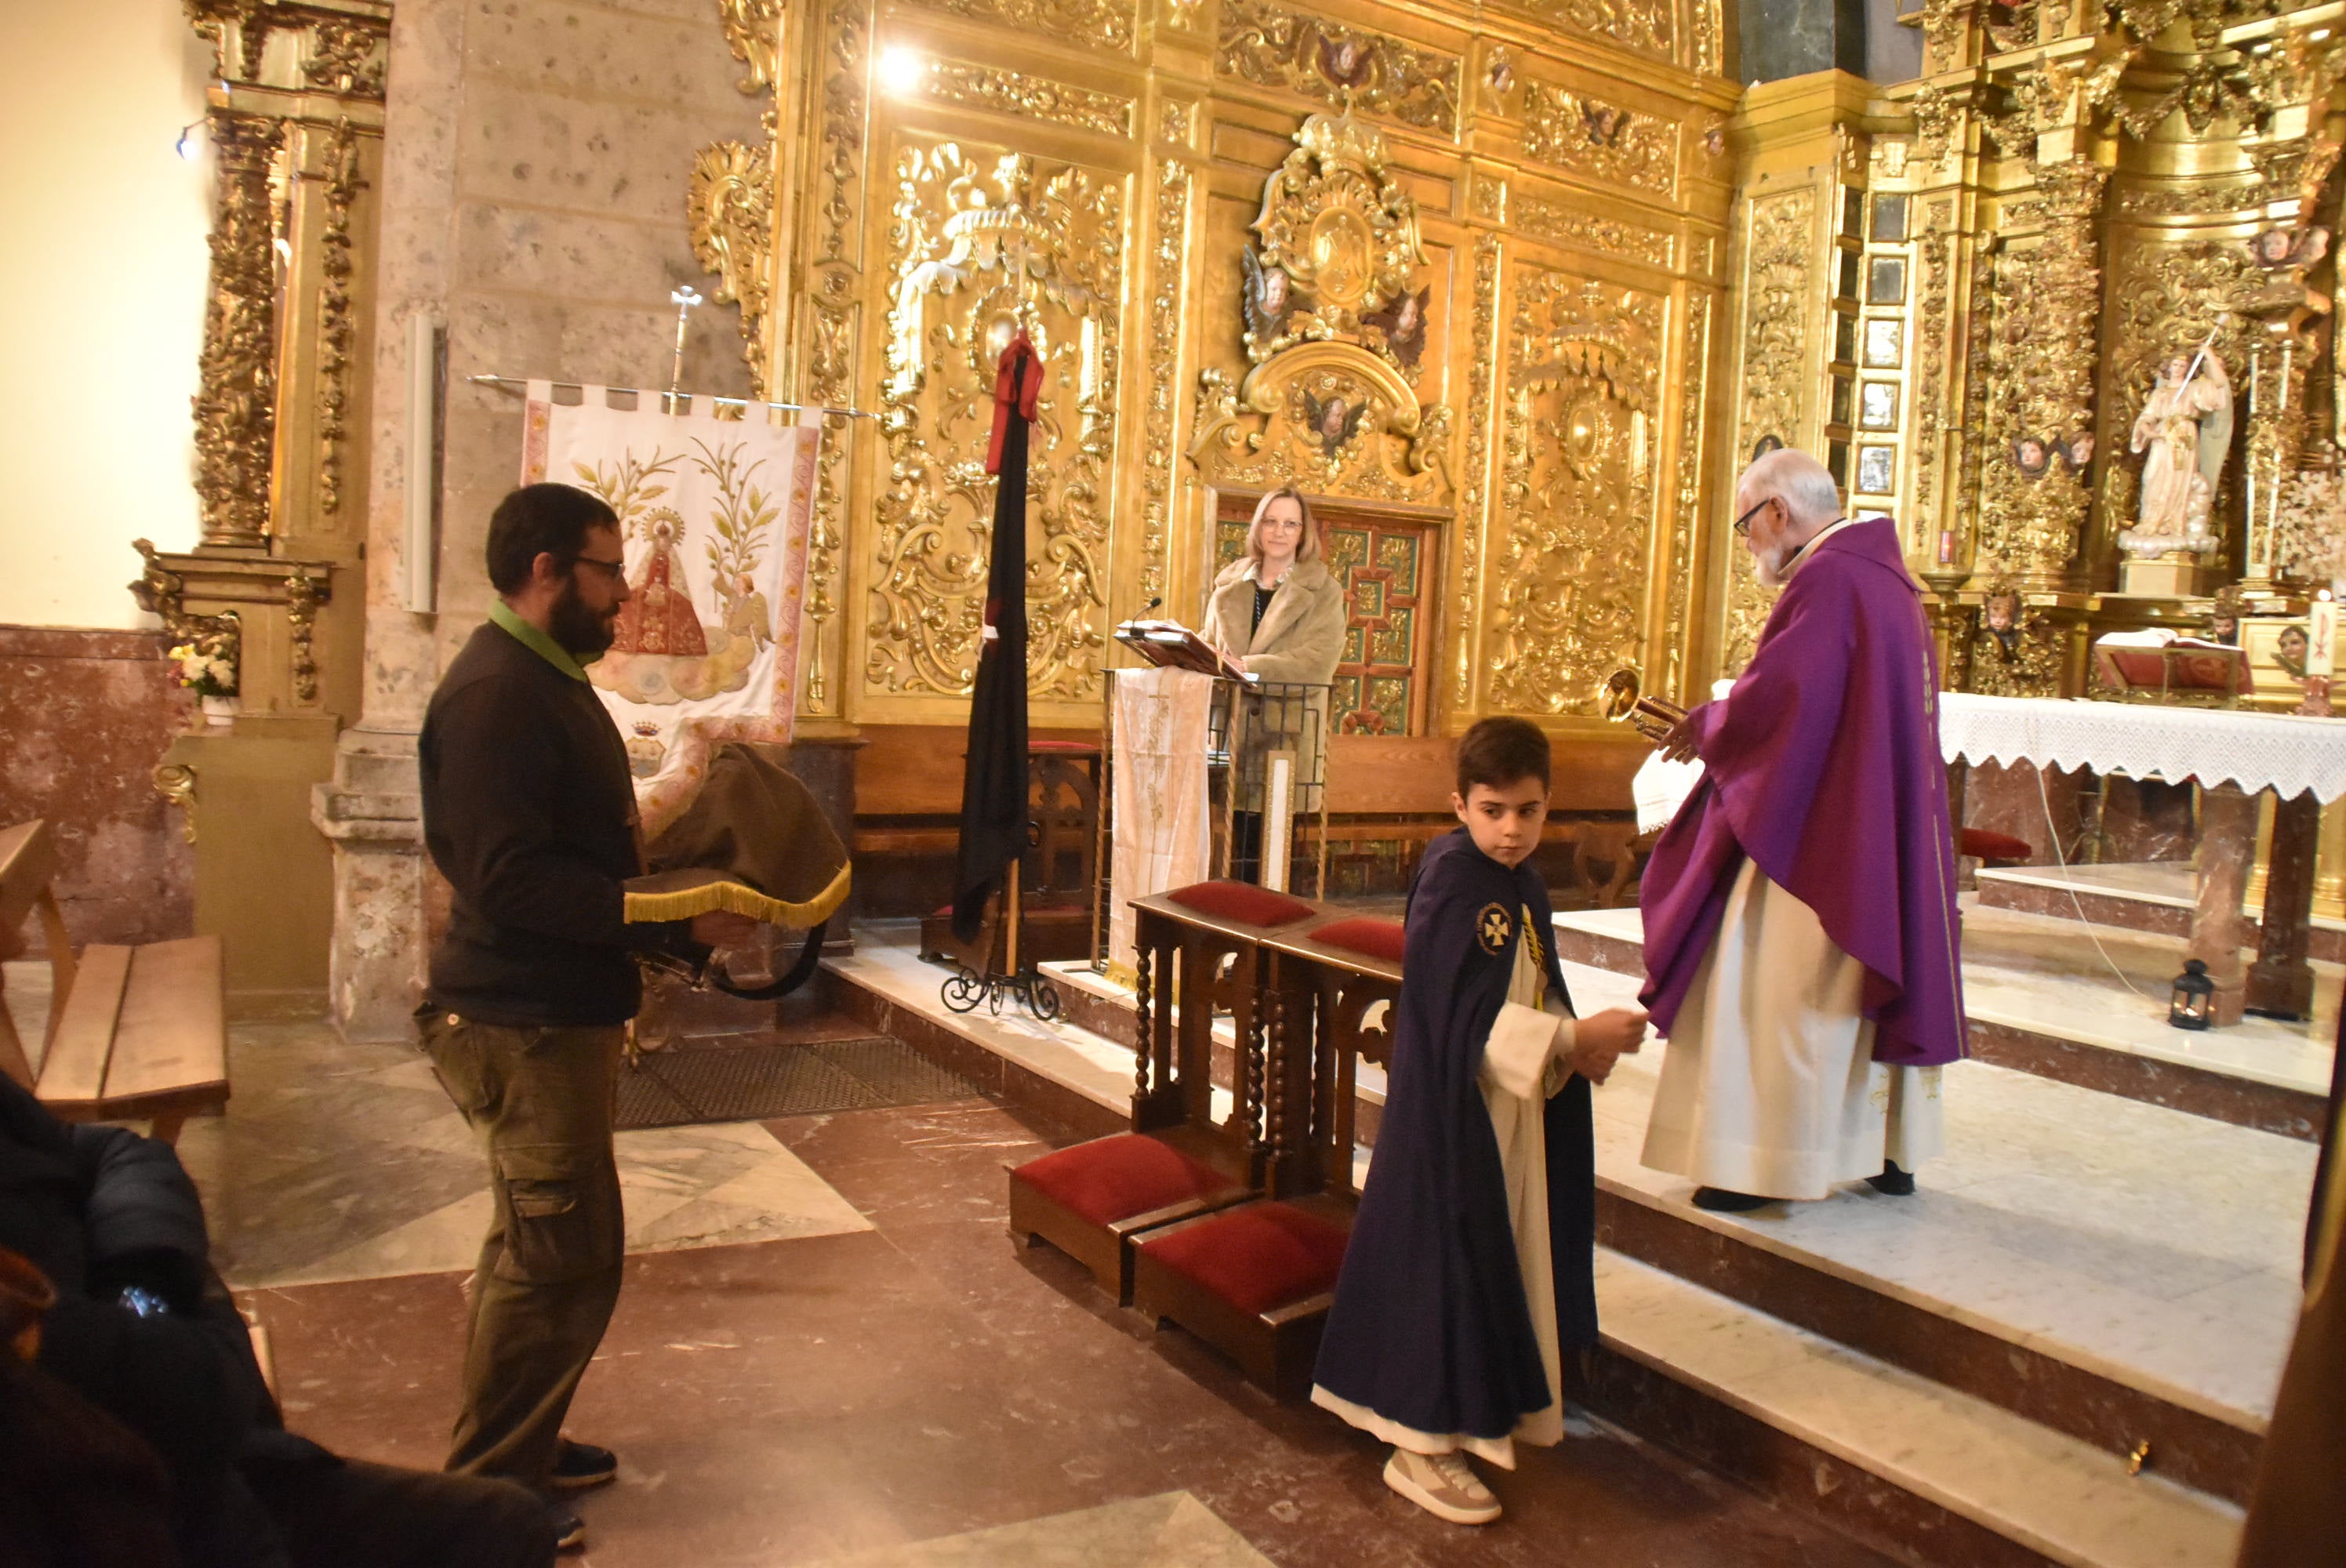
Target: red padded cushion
column 1380, row 939
column 1987, row 846
column 1256, row 1256
column 1242, row 901
column 1116, row 1177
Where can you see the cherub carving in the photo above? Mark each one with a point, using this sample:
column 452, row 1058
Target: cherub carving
column 1402, row 320
column 1334, row 423
column 1271, row 297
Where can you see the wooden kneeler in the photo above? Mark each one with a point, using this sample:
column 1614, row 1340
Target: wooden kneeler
column 1201, row 943
column 1255, row 1281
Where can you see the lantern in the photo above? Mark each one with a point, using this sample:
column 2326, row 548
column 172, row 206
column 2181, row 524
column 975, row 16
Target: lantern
column 2188, row 1008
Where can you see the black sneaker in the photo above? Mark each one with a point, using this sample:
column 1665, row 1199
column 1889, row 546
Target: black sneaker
column 580, row 1465
column 569, row 1530
column 1718, row 1200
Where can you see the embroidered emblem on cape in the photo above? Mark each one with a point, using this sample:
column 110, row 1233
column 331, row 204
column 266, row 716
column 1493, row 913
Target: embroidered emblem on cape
column 1492, row 928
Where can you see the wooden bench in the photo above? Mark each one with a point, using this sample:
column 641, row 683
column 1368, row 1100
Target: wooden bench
column 133, row 1032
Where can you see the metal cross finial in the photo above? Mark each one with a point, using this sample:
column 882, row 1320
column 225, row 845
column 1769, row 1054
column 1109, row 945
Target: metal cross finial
column 684, row 296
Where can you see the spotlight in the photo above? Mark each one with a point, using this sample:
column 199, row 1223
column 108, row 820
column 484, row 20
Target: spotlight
column 900, row 68
column 189, row 146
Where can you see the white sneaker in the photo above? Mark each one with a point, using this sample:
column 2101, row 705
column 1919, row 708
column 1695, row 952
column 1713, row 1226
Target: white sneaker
column 1443, row 1484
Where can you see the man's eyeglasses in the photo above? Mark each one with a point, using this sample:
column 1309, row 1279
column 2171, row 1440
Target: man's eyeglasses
column 612, row 571
column 1743, row 523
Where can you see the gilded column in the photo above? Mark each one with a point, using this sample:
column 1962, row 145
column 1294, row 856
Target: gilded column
column 236, row 402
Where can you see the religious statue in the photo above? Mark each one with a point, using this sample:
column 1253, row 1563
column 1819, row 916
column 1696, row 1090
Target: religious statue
column 2014, row 653
column 1333, row 422
column 1271, row 297
column 659, row 617
column 2186, row 429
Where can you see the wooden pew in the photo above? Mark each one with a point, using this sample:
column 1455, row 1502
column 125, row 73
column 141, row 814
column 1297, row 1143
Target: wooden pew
column 134, row 1033
column 1255, row 1279
column 1199, row 953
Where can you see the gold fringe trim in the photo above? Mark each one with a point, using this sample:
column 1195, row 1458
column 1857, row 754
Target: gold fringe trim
column 740, row 899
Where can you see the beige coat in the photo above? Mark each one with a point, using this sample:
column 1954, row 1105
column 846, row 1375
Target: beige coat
column 1301, row 640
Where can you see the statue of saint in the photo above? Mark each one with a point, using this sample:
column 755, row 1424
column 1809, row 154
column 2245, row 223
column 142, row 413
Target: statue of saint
column 2186, row 429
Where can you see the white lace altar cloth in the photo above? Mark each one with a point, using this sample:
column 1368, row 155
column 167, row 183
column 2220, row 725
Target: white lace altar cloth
column 2216, row 746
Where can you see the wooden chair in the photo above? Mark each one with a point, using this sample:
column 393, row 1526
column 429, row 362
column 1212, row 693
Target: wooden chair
column 134, row 1033
column 1199, row 951
column 1255, row 1279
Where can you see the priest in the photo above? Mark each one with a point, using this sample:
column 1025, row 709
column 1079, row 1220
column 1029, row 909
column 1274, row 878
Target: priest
column 1799, row 910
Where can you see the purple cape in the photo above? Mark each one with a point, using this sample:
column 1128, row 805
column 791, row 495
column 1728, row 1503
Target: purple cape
column 1430, row 1327
column 1823, row 766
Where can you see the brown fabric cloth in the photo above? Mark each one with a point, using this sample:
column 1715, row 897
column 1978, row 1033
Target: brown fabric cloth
column 754, row 841
column 2296, row 1513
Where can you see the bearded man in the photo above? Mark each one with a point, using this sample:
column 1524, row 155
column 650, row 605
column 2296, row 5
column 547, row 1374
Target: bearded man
column 1800, row 931
column 529, row 812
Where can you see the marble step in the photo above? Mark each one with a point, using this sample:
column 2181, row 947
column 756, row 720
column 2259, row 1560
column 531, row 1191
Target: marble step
column 2116, row 1270
column 2146, row 896
column 1927, row 1473
column 2113, row 1271
column 2088, row 1006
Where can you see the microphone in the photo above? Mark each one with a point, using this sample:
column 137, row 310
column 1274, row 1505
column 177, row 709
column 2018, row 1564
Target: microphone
column 1152, row 604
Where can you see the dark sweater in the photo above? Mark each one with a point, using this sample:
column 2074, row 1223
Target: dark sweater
column 530, row 813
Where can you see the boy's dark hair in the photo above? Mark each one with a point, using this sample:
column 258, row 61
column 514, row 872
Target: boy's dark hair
column 1498, row 751
column 541, row 520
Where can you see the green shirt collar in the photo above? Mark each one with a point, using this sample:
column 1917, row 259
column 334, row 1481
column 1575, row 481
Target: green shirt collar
column 535, row 641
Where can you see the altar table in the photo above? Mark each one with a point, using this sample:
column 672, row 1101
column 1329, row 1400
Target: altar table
column 2234, row 755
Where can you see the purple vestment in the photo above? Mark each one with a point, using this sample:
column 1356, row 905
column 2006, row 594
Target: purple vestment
column 1823, row 767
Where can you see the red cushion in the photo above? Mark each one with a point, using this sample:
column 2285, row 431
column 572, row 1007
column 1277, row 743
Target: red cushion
column 1380, row 939
column 1116, row 1177
column 1257, row 1257
column 1242, row 901
column 1987, row 846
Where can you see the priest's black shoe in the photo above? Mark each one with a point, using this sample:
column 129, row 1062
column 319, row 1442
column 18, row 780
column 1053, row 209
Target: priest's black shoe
column 580, row 1465
column 1718, row 1200
column 1892, row 1182
column 569, row 1530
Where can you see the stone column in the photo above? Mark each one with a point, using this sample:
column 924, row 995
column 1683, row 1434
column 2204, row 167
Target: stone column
column 2228, row 843
column 2280, row 983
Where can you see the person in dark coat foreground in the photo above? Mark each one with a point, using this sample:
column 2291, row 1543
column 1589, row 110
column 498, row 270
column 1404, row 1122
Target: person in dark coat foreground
column 1469, row 1271
column 142, row 1329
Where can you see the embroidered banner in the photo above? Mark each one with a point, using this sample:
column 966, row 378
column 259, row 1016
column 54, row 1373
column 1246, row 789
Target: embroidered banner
column 1162, row 836
column 713, row 514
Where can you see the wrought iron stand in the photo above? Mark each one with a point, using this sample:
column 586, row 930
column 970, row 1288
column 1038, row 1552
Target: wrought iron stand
column 964, row 989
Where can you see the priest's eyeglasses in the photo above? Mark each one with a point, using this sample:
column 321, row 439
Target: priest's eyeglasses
column 612, row 571
column 1743, row 523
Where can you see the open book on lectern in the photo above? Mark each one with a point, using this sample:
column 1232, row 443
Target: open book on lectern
column 1170, row 644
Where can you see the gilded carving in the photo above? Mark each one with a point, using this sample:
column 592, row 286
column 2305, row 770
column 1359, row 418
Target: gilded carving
column 1473, row 518
column 1776, row 294
column 348, row 59
column 303, row 593
column 337, row 331
column 2048, row 304
column 176, row 782
column 731, row 206
column 979, row 248
column 1693, row 379
column 753, row 31
column 1033, row 97
column 1330, row 417
column 1168, row 264
column 830, row 325
column 1335, row 65
column 1095, row 24
column 1706, row 33
column 2167, row 200
column 2013, row 652
column 235, row 405
column 1598, row 141
column 1645, row 26
column 1567, row 224
column 1336, row 250
column 1937, row 257
column 1577, row 472
column 162, row 593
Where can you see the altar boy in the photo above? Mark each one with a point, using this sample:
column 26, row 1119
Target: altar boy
column 1469, row 1271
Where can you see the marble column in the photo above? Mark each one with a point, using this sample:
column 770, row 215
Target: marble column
column 2227, row 842
column 2280, row 983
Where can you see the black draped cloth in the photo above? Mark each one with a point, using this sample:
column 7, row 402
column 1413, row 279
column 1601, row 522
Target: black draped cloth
column 1430, row 1329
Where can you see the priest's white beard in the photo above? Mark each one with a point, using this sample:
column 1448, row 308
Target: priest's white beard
column 1769, row 565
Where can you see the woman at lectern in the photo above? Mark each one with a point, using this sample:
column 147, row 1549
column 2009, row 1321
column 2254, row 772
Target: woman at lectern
column 1281, row 614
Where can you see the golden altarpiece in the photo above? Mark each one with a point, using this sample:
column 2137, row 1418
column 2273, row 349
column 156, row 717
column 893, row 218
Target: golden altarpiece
column 275, row 585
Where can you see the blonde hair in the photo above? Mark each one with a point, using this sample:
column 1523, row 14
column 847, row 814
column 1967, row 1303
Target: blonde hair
column 1307, row 548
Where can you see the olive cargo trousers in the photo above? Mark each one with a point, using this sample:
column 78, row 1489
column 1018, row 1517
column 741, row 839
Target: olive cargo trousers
column 541, row 1101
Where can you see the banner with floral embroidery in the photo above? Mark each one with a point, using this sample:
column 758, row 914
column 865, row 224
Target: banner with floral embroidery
column 713, row 514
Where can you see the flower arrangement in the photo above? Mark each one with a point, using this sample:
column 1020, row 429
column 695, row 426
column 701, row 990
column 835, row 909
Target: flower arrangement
column 2310, row 525
column 206, row 665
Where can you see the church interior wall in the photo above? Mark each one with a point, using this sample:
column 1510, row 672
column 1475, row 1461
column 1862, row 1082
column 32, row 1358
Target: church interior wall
column 97, row 367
